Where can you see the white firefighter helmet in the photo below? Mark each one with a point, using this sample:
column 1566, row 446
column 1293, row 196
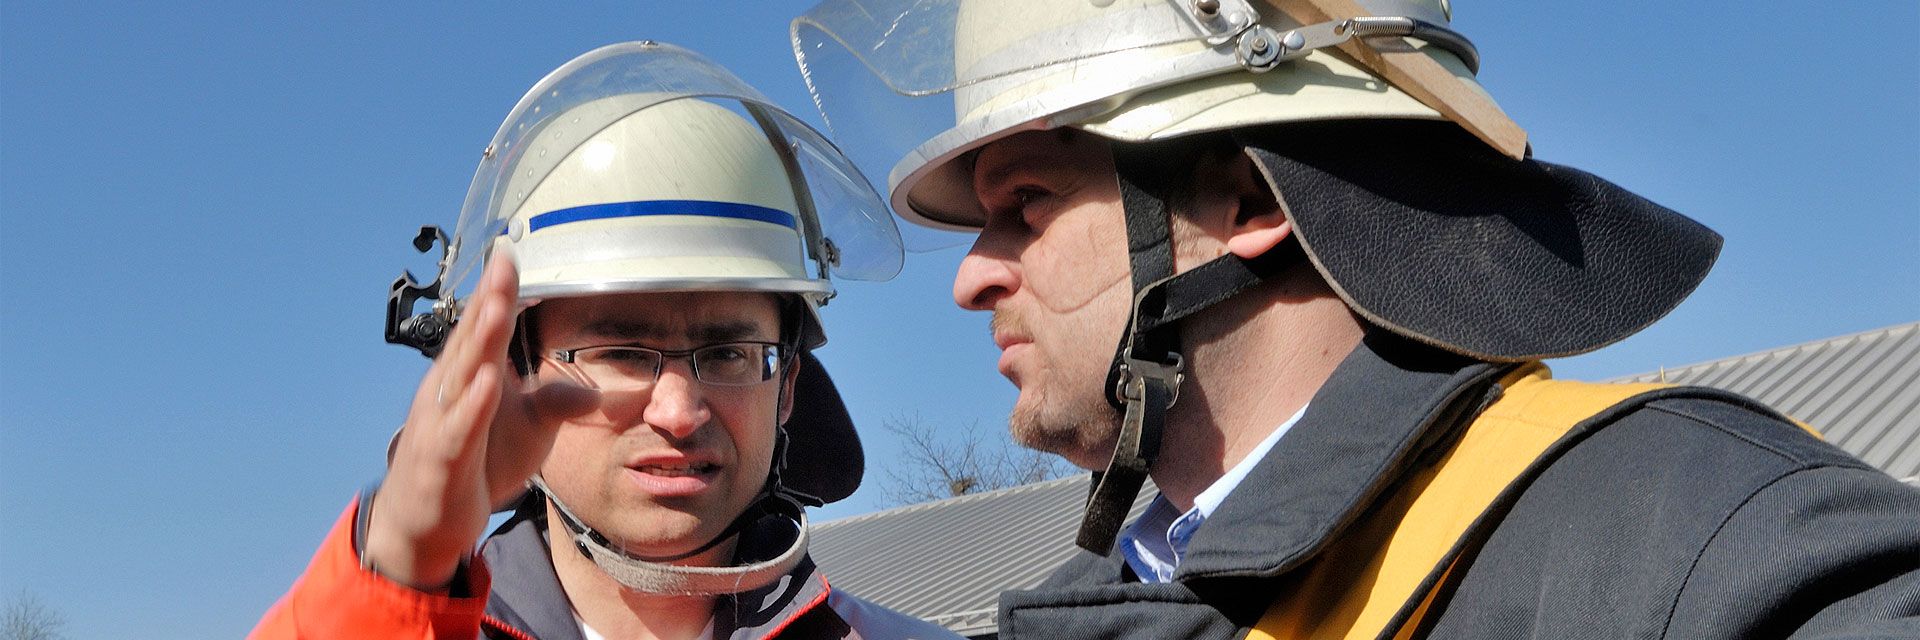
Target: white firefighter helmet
column 1128, row 70
column 682, row 195
column 644, row 167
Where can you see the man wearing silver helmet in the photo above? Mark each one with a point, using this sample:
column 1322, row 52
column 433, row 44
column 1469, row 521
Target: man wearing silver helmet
column 632, row 293
column 1287, row 258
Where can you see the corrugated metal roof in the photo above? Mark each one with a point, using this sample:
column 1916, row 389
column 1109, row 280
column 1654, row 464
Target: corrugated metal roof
column 1861, row 391
column 947, row 561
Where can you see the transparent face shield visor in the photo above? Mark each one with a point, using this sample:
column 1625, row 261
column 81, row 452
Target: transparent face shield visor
column 846, row 228
column 907, row 85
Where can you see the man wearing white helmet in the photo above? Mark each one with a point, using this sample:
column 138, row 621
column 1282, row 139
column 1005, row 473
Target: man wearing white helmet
column 1331, row 269
column 628, row 373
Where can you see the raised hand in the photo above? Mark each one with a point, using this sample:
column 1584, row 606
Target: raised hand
column 474, row 435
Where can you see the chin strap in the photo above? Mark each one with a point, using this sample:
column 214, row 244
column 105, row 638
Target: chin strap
column 1144, row 380
column 659, row 575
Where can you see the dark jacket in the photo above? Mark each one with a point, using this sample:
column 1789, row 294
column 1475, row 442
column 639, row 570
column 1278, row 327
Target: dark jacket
column 1696, row 514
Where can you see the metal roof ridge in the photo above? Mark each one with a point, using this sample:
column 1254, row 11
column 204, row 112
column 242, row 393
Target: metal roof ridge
column 944, row 502
column 1822, row 342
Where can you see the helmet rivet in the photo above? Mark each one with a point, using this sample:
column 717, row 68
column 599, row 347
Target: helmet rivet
column 1207, row 7
column 1293, row 41
column 1260, row 45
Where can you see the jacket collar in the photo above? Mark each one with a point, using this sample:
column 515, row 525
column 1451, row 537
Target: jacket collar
column 1386, row 404
column 527, row 594
column 526, row 591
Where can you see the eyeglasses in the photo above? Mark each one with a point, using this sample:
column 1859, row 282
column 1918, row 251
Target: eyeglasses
column 623, row 367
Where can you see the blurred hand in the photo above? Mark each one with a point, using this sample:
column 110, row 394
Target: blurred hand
column 475, row 434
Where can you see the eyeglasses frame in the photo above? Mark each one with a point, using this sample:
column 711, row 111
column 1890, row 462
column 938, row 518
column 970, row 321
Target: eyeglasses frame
column 782, row 355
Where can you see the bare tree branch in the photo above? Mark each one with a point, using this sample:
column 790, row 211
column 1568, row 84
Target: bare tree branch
column 27, row 618
column 937, row 463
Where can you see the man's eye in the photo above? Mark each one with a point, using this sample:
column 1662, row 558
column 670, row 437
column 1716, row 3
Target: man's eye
column 724, row 354
column 1032, row 204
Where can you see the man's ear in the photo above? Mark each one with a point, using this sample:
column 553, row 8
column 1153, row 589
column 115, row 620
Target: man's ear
column 1260, row 222
column 787, row 379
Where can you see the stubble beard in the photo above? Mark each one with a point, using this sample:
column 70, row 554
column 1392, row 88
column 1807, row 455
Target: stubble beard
column 1081, row 429
column 1073, row 422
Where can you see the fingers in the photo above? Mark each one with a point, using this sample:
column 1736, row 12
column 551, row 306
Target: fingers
column 479, row 340
column 434, row 502
column 470, row 416
column 483, row 332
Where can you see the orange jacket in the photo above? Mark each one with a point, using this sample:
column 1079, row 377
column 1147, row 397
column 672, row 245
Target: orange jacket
column 337, row 598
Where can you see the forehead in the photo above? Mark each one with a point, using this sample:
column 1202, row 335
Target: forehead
column 665, row 319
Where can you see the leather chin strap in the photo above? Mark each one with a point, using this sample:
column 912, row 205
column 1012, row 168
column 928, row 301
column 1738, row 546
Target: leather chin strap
column 1144, row 380
column 661, row 576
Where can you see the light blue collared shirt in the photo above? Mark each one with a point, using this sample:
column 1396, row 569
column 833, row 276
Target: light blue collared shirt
column 1155, row 556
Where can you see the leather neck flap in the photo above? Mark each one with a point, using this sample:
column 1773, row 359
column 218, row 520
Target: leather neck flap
column 1429, row 235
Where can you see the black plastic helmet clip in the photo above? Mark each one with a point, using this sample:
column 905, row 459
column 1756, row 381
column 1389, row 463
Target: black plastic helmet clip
column 426, row 331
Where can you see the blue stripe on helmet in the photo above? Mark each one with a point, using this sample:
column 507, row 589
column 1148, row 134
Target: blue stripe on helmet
column 662, row 208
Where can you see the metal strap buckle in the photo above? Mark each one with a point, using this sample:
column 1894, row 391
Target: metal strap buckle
column 1131, row 386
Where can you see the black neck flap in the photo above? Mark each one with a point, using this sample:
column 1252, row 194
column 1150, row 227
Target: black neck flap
column 1425, row 232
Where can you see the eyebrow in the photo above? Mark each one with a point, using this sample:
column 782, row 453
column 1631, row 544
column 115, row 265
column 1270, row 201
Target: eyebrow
column 999, row 174
column 1026, row 160
column 704, row 333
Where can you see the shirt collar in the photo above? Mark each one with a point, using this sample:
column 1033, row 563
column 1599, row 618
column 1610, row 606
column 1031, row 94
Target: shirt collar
column 1154, row 544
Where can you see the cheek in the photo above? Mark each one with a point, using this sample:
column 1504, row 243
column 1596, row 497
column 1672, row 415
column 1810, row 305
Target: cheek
column 579, row 454
column 749, row 425
column 1077, row 260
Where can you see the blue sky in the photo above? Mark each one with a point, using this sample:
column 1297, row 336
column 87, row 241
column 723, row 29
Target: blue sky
column 201, row 208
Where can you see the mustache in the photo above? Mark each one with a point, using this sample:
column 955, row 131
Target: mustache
column 1007, row 322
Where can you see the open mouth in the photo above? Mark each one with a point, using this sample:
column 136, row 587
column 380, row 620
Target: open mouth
column 677, row 470
column 675, row 479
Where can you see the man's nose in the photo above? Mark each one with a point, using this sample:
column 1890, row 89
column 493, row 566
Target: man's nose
column 678, row 405
column 984, row 277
